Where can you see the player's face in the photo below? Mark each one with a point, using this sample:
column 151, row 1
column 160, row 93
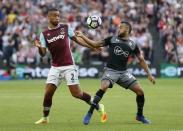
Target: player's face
column 54, row 17
column 123, row 29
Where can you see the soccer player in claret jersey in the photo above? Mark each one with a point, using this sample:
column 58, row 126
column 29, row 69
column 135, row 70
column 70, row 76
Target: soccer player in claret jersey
column 56, row 39
column 120, row 47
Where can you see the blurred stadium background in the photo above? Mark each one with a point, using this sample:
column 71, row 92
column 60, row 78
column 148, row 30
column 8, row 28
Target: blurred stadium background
column 157, row 29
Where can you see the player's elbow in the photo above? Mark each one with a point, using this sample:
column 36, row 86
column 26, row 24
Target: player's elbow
column 42, row 53
column 141, row 60
column 95, row 46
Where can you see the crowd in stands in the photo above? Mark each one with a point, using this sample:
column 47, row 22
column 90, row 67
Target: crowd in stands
column 170, row 26
column 22, row 20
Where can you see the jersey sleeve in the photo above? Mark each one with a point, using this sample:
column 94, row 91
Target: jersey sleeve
column 136, row 50
column 107, row 41
column 42, row 40
column 70, row 32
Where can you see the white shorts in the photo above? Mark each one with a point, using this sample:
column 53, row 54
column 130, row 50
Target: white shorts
column 57, row 74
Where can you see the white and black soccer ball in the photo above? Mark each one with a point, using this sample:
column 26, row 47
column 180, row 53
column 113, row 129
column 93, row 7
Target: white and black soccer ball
column 94, row 21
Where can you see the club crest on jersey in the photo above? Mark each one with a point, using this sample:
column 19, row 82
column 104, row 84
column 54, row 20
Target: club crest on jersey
column 62, row 31
column 119, row 51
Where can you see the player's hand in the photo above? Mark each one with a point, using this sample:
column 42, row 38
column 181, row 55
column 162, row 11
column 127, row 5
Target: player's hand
column 151, row 79
column 36, row 43
column 79, row 33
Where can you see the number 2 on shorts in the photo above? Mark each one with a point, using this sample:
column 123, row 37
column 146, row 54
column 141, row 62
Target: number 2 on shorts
column 72, row 76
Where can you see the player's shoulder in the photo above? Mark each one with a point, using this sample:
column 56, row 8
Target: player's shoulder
column 116, row 40
column 60, row 25
column 64, row 24
column 111, row 39
column 44, row 30
column 132, row 44
column 47, row 29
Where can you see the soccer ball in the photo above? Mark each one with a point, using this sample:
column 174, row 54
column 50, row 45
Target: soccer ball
column 94, row 21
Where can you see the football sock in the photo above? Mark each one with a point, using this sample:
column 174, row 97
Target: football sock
column 140, row 104
column 98, row 96
column 87, row 98
column 47, row 106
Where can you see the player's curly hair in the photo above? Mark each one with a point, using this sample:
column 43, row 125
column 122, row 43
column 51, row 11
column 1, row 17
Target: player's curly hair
column 52, row 9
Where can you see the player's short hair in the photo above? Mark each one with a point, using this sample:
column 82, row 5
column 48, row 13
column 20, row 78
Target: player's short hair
column 129, row 25
column 52, row 9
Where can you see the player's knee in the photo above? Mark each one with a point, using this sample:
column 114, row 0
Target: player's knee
column 137, row 89
column 140, row 92
column 48, row 95
column 106, row 84
column 50, row 89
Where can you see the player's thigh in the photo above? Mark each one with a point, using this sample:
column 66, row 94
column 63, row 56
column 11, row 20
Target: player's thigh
column 75, row 90
column 109, row 77
column 54, row 77
column 71, row 76
column 127, row 80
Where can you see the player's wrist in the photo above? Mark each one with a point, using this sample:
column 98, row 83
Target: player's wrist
column 148, row 72
column 149, row 75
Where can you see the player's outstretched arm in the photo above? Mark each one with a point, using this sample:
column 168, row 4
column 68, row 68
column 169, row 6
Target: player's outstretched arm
column 81, row 42
column 144, row 65
column 90, row 42
column 42, row 50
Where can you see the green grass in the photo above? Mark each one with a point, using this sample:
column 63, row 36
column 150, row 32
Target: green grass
column 21, row 106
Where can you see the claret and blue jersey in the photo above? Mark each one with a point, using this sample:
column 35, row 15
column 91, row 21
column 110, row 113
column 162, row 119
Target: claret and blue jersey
column 58, row 43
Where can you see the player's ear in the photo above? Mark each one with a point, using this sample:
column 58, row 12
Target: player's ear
column 49, row 14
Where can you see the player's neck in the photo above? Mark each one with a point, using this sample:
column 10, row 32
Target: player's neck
column 51, row 26
column 124, row 37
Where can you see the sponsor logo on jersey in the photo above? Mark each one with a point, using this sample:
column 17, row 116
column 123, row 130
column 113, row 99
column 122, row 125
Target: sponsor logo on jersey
column 56, row 38
column 119, row 51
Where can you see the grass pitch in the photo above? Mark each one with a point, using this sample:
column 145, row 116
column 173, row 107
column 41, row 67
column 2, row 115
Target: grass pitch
column 21, row 106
